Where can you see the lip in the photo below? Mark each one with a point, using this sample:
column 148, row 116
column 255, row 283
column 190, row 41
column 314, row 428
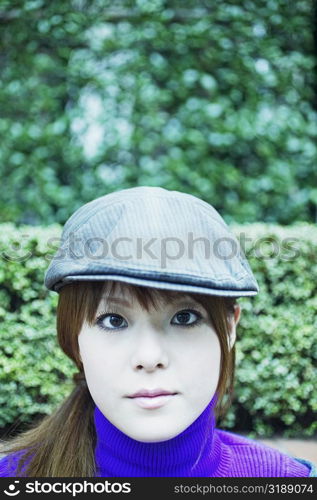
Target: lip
column 152, row 393
column 151, row 399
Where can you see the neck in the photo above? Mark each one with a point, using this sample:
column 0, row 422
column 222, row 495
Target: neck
column 193, row 452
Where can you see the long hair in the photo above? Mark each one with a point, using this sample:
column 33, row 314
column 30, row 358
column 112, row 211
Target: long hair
column 62, row 444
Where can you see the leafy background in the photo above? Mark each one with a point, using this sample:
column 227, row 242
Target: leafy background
column 214, row 98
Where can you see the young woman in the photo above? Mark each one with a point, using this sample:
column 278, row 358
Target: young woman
column 147, row 281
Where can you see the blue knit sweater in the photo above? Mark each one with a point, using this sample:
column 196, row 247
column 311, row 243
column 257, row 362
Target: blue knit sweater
column 201, row 450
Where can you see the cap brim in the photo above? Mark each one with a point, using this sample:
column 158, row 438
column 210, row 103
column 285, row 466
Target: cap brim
column 162, row 285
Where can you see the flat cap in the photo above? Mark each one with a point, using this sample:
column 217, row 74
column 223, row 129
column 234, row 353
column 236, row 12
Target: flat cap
column 155, row 237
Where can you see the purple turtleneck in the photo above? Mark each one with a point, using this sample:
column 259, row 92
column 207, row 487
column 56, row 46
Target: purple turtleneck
column 193, row 452
column 201, row 450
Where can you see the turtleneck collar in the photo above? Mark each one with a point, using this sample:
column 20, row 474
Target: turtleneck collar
column 195, row 452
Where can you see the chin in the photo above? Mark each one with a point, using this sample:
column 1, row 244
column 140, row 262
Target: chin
column 154, row 437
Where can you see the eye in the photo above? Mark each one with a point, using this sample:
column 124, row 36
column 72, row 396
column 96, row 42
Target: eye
column 110, row 321
column 188, row 317
column 113, row 321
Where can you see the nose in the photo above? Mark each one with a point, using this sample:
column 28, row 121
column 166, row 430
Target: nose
column 150, row 352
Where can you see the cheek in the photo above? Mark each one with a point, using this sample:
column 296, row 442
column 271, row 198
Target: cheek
column 93, row 356
column 98, row 371
column 86, row 349
column 102, row 365
column 204, row 367
column 212, row 371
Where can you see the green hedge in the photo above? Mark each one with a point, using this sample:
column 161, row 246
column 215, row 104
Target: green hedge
column 276, row 348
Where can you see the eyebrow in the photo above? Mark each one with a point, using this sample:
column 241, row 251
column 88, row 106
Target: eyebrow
column 176, row 301
column 117, row 300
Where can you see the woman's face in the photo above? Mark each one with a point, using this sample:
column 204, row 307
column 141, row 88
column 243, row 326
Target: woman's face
column 131, row 357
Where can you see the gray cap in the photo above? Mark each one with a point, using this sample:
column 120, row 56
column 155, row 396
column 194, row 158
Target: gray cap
column 153, row 237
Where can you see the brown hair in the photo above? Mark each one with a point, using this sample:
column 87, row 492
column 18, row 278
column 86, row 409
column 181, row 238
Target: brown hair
column 63, row 443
